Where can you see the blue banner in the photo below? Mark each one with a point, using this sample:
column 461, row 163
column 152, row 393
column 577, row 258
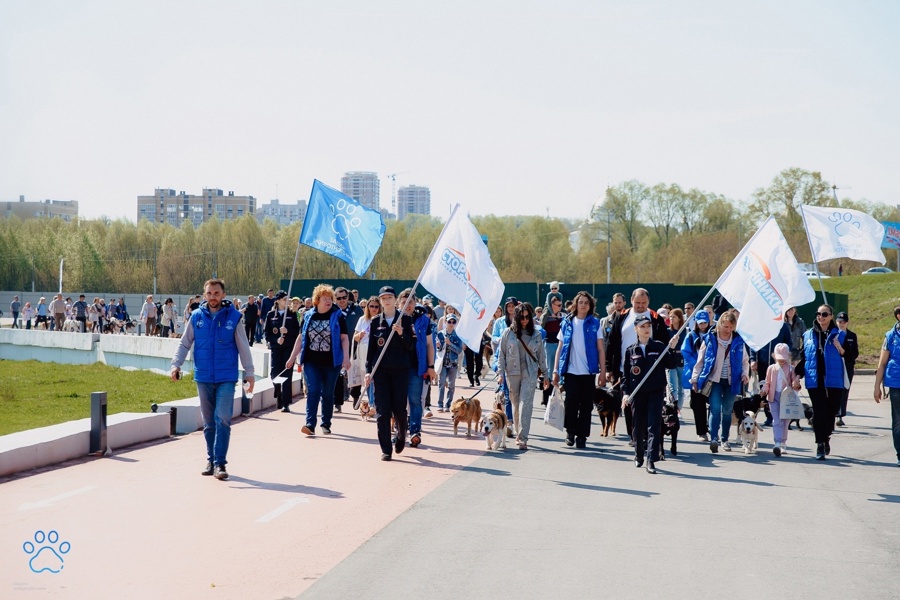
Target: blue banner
column 891, row 235
column 342, row 227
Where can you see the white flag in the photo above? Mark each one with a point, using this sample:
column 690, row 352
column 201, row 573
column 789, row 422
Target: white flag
column 842, row 232
column 460, row 272
column 762, row 282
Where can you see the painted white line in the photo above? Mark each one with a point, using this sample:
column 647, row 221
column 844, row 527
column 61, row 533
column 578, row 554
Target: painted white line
column 286, row 506
column 48, row 501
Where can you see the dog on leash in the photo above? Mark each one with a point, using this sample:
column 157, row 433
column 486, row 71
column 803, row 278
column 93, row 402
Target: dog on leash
column 609, row 405
column 748, row 433
column 807, row 414
column 366, row 410
column 743, row 405
column 71, row 326
column 493, row 427
column 466, row 410
column 670, row 426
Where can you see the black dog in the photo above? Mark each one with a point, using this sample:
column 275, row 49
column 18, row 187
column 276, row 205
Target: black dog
column 609, row 405
column 670, row 427
column 807, row 413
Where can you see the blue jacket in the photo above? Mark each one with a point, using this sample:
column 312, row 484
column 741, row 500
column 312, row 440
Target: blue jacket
column 735, row 356
column 892, row 369
column 689, row 350
column 215, row 351
column 337, row 351
column 591, row 326
column 421, row 330
column 834, row 364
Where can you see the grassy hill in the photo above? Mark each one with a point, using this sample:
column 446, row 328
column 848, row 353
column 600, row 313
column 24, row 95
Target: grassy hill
column 872, row 301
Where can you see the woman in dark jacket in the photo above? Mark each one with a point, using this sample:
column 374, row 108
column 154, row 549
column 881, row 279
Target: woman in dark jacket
column 823, row 351
column 282, row 329
column 851, row 353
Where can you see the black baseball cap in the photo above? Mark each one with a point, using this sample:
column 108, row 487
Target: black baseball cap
column 842, row 316
column 386, row 291
column 281, row 294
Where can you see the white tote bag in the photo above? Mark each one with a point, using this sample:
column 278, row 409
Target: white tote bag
column 555, row 414
column 790, row 406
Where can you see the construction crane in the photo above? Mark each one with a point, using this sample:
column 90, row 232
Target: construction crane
column 393, row 178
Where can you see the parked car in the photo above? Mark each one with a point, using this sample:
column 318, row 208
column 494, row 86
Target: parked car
column 877, row 271
column 815, row 275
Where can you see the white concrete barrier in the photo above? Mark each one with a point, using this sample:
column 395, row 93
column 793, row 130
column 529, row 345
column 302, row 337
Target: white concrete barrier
column 49, row 346
column 126, row 429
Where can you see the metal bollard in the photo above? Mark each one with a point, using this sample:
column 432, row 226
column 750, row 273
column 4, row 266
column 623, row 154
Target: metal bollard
column 98, row 423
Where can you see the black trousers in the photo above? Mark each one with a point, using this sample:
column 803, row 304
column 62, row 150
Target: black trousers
column 647, row 412
column 340, row 389
column 700, row 407
column 474, row 364
column 280, row 354
column 825, row 402
column 842, row 412
column 579, row 405
column 390, row 401
column 250, row 330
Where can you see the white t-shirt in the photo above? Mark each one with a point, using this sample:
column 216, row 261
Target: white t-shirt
column 578, row 364
column 629, row 335
column 364, row 325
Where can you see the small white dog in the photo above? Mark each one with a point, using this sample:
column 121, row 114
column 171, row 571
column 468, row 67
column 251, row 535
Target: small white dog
column 748, row 433
column 72, row 326
column 493, row 426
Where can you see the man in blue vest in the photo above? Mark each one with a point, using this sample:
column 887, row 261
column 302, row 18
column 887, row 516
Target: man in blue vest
column 888, row 374
column 218, row 338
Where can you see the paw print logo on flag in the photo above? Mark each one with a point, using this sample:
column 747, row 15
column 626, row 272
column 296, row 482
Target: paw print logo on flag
column 343, row 220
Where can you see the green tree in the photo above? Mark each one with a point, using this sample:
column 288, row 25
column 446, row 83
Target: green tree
column 788, row 190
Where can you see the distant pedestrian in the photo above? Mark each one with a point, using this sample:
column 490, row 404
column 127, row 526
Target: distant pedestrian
column 251, row 317
column 27, row 314
column 80, row 310
column 15, row 307
column 58, row 310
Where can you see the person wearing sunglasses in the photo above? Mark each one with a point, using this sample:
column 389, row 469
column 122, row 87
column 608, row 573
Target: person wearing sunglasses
column 824, row 367
column 521, row 359
column 371, row 309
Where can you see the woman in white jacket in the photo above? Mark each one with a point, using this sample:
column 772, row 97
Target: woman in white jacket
column 521, row 358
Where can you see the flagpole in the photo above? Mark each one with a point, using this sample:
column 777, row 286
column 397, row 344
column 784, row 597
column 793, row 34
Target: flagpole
column 700, row 304
column 812, row 253
column 409, row 298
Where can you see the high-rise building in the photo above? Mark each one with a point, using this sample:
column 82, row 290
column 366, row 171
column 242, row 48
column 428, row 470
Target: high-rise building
column 362, row 186
column 283, row 214
column 66, row 210
column 165, row 206
column 413, row 200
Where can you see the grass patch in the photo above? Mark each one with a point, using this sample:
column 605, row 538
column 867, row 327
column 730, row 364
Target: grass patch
column 36, row 394
column 872, row 300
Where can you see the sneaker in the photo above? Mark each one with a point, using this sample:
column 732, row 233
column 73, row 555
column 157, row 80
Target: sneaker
column 784, row 448
column 726, row 446
column 776, row 450
column 702, row 438
column 827, row 448
column 326, row 430
column 399, row 443
column 651, row 468
column 580, row 443
column 286, row 409
column 638, row 462
column 570, row 441
column 898, row 462
column 208, row 470
column 428, row 414
column 308, row 430
column 220, row 472
column 768, row 423
column 820, row 451
column 385, row 457
column 477, row 382
column 415, row 440
column 714, row 446
column 839, row 422
column 523, row 446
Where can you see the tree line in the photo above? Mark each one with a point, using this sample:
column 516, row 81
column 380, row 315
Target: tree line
column 655, row 233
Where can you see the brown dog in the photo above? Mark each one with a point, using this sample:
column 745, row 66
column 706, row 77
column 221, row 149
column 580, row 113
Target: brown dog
column 466, row 410
column 493, row 426
column 366, row 410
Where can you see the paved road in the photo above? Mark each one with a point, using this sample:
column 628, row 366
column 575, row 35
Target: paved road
column 324, row 518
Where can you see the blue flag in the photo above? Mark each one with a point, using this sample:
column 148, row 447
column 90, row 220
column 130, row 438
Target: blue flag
column 342, row 227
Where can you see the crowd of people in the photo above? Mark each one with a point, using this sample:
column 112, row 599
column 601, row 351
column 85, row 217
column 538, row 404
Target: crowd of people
column 390, row 350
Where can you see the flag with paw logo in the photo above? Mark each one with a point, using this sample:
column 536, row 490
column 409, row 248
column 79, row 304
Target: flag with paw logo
column 342, row 227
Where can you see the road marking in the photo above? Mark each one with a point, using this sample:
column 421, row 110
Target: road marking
column 47, row 502
column 286, row 506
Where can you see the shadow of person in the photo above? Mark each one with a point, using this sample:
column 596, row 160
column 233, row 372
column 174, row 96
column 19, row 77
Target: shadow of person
column 251, row 484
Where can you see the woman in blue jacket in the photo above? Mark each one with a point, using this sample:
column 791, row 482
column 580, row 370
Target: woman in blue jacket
column 824, row 368
column 689, row 350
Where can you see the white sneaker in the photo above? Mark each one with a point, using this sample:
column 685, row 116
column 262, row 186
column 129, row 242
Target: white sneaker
column 784, row 448
column 702, row 438
column 726, row 446
column 428, row 414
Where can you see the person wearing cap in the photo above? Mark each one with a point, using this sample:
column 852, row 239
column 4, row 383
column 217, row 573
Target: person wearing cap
column 322, row 349
column 647, row 402
column 282, row 328
column 421, row 361
column 448, row 342
column 724, row 362
column 579, row 366
column 387, row 366
column 888, row 375
column 777, row 377
column 851, row 353
column 824, row 375
column 689, row 349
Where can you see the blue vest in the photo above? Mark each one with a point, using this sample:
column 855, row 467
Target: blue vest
column 421, row 329
column 591, row 326
column 735, row 358
column 892, row 370
column 334, row 323
column 215, row 351
column 834, row 364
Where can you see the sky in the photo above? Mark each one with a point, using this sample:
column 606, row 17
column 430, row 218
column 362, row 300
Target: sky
column 506, row 107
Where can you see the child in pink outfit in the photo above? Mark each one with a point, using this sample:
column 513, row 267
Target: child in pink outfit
column 779, row 376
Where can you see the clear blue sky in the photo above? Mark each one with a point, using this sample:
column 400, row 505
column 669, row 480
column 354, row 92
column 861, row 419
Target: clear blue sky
column 508, row 107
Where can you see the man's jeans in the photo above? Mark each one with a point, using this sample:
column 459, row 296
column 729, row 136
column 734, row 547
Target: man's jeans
column 895, row 418
column 414, row 397
column 216, row 407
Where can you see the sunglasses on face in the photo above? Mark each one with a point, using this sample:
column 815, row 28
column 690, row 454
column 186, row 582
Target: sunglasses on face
column 524, row 317
column 375, row 306
column 340, row 297
column 823, row 314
